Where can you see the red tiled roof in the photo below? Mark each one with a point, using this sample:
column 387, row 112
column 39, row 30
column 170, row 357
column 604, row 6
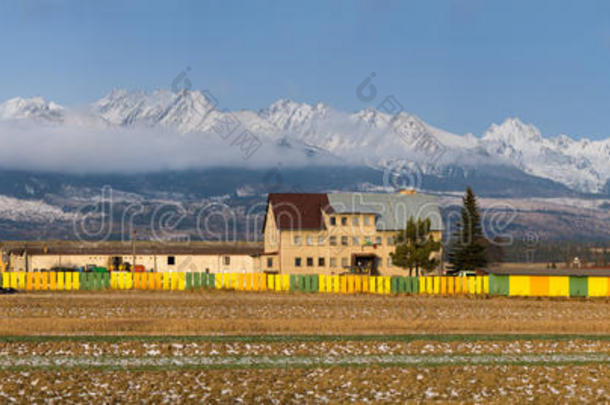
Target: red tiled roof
column 298, row 210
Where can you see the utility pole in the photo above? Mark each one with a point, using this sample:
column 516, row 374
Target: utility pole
column 133, row 250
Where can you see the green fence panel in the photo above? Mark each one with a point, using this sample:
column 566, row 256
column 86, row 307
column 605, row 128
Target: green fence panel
column 83, row 282
column 96, row 281
column 394, row 285
column 196, row 280
column 402, row 285
column 579, row 286
column 211, row 277
column 498, row 284
column 105, row 280
column 308, row 280
column 293, row 282
column 302, row 282
column 414, row 285
column 90, row 281
column 315, row 282
column 188, row 278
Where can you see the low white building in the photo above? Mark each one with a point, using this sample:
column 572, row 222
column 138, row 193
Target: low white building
column 213, row 257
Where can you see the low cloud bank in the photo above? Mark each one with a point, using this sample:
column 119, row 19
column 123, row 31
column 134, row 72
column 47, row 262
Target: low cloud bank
column 29, row 145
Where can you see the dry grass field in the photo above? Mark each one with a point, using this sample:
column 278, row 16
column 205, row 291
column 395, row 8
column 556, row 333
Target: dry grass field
column 227, row 347
column 181, row 313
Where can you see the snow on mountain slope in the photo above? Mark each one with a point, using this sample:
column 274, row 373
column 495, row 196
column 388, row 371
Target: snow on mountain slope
column 582, row 165
column 366, row 137
column 31, row 108
column 15, row 209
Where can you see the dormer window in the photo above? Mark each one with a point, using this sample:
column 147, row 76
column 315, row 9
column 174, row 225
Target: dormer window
column 333, row 221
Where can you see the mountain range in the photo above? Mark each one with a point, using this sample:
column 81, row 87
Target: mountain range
column 183, row 147
column 368, row 137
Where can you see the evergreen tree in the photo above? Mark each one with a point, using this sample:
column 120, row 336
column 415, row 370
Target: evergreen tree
column 468, row 248
column 414, row 246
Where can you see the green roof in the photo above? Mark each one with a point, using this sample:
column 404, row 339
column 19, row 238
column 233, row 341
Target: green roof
column 392, row 210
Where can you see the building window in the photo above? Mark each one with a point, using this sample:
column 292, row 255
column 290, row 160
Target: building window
column 309, row 240
column 343, row 221
column 309, row 261
column 367, row 220
column 226, row 260
column 390, row 241
column 344, row 241
column 321, row 240
column 344, row 262
column 356, row 240
column 378, row 240
column 320, row 262
column 171, row 260
column 333, row 262
column 297, row 240
column 270, row 262
column 333, row 221
column 333, row 240
column 367, row 240
column 355, row 221
column 297, row 262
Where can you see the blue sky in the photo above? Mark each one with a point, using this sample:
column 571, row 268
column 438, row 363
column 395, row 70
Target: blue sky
column 459, row 65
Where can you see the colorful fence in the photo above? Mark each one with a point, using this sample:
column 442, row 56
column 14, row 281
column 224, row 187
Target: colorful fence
column 535, row 286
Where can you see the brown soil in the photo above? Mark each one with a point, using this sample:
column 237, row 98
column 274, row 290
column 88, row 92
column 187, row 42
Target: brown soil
column 482, row 384
column 183, row 313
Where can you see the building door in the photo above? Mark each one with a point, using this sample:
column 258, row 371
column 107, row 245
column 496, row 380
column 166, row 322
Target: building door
column 365, row 264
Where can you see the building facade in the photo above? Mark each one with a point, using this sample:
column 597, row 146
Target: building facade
column 184, row 257
column 340, row 232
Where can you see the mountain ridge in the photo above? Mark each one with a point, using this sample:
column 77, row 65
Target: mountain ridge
column 368, row 136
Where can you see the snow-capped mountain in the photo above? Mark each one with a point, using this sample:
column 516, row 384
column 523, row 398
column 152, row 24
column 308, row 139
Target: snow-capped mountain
column 367, row 137
column 33, row 108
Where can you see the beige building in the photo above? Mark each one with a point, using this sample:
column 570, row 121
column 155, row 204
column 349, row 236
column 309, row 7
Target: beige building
column 212, row 257
column 340, row 232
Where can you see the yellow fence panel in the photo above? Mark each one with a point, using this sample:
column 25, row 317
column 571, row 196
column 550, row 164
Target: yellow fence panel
column 598, row 286
column 387, row 285
column 365, row 284
column 218, row 281
column 6, row 280
column 479, row 285
column 21, row 278
column 285, row 282
column 167, row 282
column 29, row 281
column 61, row 280
column 37, row 281
column 358, row 281
column 149, row 283
column 472, row 285
column 68, row 281
column 322, row 283
column 437, row 285
column 539, row 286
column 76, row 281
column 14, row 280
column 175, row 279
column 247, row 282
column 444, row 286
column 256, row 282
column 518, row 285
column 429, row 285
column 52, row 281
column 559, row 286
column 336, row 286
column 343, row 284
column 158, row 281
column 450, row 285
column 181, row 281
column 121, row 281
column 485, row 284
column 277, row 283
